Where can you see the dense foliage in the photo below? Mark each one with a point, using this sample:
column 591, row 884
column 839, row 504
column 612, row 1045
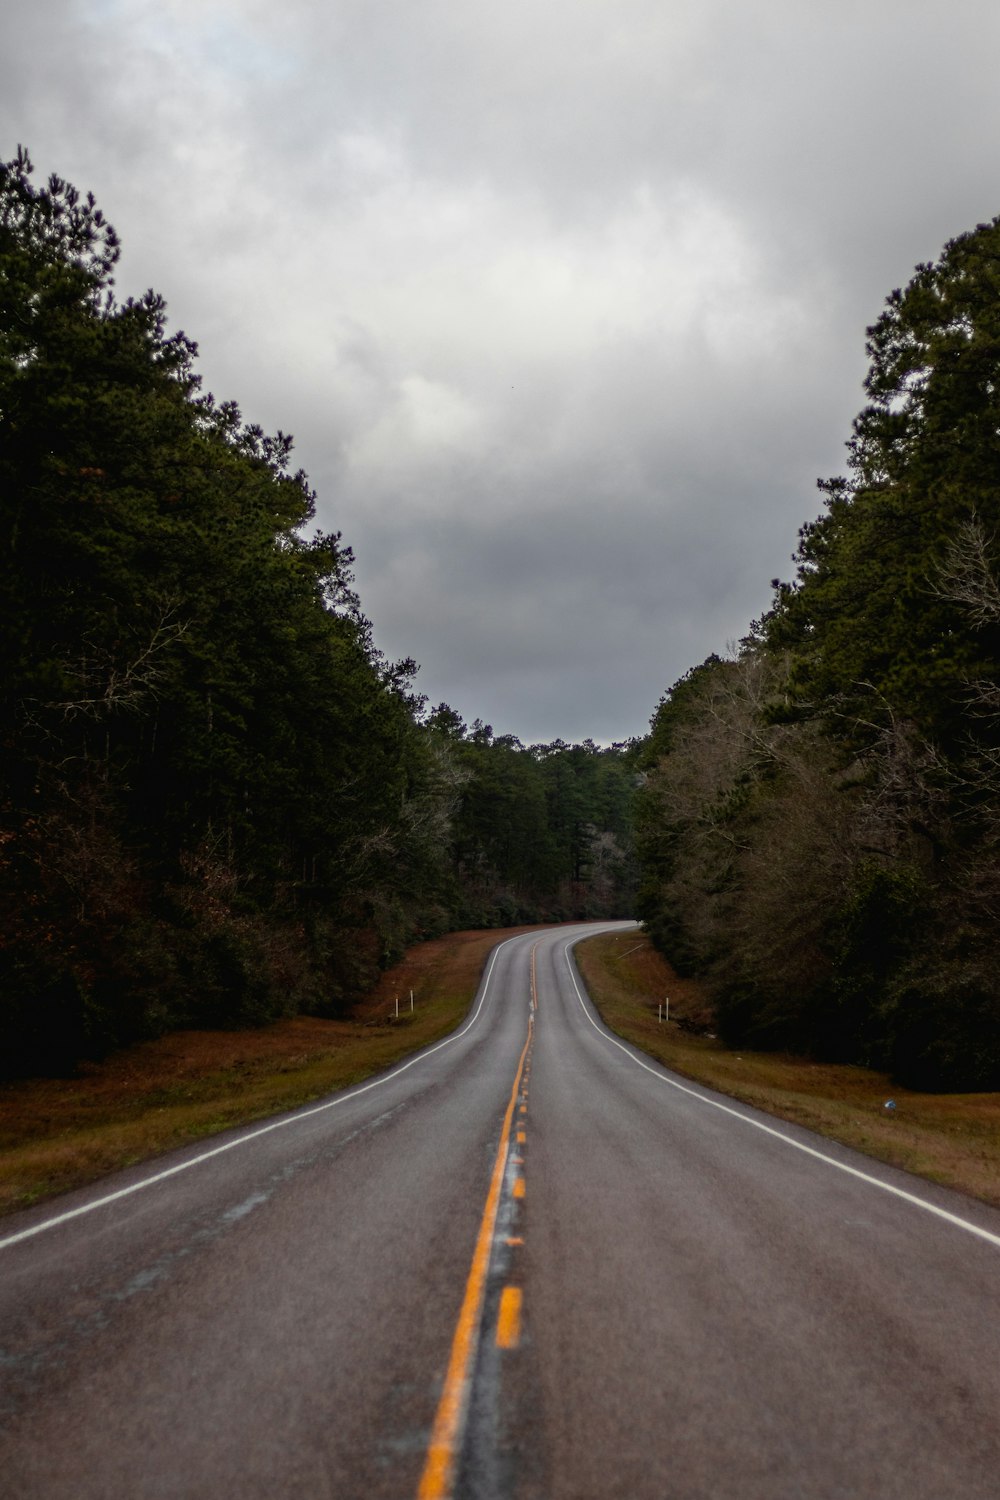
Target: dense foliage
column 820, row 823
column 219, row 803
column 540, row 833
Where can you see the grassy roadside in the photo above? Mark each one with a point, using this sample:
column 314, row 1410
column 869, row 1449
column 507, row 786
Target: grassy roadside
column 953, row 1139
column 60, row 1133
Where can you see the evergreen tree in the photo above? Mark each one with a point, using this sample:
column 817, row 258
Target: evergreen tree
column 866, row 616
column 820, row 826
column 215, row 792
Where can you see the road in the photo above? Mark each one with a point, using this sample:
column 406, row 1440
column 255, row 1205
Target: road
column 529, row 1263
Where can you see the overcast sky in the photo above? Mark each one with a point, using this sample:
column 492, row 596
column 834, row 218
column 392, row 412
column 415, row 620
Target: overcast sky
column 564, row 302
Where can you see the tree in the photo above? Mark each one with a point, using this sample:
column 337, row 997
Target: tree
column 216, row 797
column 819, row 826
column 863, row 615
column 220, row 802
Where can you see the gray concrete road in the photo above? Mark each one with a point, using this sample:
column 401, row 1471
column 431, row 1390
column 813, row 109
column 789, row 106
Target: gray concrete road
column 528, row 1263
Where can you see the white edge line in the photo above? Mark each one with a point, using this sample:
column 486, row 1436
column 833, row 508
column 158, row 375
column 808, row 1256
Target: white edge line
column 831, row 1161
column 253, row 1135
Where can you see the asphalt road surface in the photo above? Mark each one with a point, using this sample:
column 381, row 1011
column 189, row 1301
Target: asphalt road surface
column 528, row 1263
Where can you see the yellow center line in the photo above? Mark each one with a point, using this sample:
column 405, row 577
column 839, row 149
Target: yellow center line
column 521, row 1137
column 509, row 1318
column 446, row 1432
column 519, row 1187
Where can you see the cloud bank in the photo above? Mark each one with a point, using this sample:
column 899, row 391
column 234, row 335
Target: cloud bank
column 565, row 305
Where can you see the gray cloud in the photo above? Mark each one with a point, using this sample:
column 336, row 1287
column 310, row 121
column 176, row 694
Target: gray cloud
column 564, row 304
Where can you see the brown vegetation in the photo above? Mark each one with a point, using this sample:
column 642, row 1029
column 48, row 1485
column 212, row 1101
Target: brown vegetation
column 58, row 1133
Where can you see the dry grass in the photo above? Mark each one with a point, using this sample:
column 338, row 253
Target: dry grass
column 59, row 1133
column 949, row 1138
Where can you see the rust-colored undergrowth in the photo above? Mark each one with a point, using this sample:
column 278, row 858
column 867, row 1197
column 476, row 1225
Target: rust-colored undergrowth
column 953, row 1139
column 61, row 1133
column 58, row 1133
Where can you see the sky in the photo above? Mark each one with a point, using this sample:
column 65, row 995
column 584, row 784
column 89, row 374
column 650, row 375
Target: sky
column 564, row 303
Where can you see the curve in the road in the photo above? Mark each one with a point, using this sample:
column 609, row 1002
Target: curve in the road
column 660, row 1301
column 247, row 1137
column 745, row 1119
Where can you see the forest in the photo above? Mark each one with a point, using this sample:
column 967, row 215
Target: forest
column 220, row 804
column 819, row 822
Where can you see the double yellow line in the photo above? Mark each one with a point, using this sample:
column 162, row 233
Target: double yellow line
column 446, row 1433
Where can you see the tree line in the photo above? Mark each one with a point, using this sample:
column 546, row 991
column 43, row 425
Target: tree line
column 219, row 803
column 820, row 820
